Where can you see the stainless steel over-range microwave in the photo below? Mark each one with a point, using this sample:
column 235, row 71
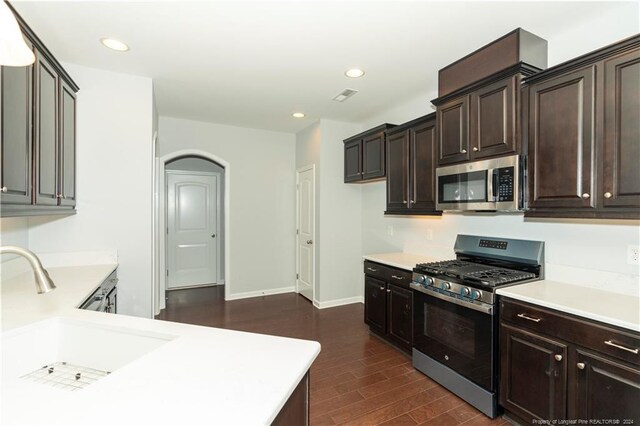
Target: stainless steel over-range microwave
column 491, row 185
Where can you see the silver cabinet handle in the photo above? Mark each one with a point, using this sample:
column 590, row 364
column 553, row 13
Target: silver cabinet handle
column 388, row 290
column 4, row 189
column 607, row 195
column 309, row 241
column 60, row 196
column 372, row 270
column 580, row 365
column 558, row 357
column 412, row 201
column 527, row 317
column 463, row 151
column 397, row 277
column 475, row 149
column 610, row 343
column 586, row 196
column 404, row 201
column 382, row 288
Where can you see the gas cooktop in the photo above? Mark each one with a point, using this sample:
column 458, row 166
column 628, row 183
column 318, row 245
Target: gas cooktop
column 473, row 273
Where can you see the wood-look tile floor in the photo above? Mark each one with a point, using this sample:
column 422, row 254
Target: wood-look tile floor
column 357, row 379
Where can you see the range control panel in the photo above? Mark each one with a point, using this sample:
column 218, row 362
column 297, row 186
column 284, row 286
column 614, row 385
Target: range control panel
column 494, row 244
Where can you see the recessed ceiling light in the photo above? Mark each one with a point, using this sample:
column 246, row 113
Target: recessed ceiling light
column 354, row 73
column 114, row 44
column 298, row 115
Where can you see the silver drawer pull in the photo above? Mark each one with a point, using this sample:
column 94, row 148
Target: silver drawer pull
column 397, row 277
column 372, row 270
column 610, row 343
column 580, row 365
column 527, row 317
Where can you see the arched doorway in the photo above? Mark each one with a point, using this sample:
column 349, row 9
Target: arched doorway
column 182, row 167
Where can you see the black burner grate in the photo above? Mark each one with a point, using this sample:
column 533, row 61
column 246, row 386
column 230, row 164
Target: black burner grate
column 474, row 273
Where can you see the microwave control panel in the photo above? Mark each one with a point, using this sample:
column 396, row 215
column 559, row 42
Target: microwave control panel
column 506, row 181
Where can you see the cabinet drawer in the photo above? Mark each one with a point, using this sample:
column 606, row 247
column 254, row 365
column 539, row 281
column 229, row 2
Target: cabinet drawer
column 388, row 274
column 620, row 344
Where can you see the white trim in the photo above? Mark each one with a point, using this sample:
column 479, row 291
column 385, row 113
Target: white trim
column 259, row 293
column 311, row 167
column 338, row 302
column 218, row 176
column 160, row 282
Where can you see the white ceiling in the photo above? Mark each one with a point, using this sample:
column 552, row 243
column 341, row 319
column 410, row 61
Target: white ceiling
column 252, row 64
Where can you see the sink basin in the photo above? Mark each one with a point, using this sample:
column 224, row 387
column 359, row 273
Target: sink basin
column 75, row 342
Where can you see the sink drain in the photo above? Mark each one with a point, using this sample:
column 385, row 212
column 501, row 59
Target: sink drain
column 66, row 376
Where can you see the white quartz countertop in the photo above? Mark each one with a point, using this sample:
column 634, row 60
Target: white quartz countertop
column 406, row 261
column 20, row 304
column 598, row 305
column 197, row 375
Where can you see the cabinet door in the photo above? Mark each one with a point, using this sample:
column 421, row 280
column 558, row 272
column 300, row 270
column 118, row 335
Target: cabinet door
column 621, row 174
column 67, row 167
column 16, row 135
column 399, row 315
column 605, row 389
column 533, row 382
column 46, row 133
column 397, row 171
column 453, row 127
column 422, row 167
column 561, row 142
column 353, row 161
column 373, row 151
column 375, row 304
column 493, row 119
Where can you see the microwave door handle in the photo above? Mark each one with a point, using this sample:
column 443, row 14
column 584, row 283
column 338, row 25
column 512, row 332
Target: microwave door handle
column 492, row 183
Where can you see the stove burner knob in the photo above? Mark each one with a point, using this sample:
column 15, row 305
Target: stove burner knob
column 421, row 279
column 476, row 295
column 445, row 286
column 430, row 281
column 466, row 291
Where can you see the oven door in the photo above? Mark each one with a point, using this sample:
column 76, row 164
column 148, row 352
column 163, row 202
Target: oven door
column 457, row 336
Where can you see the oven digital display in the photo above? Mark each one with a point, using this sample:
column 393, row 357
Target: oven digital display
column 500, row 245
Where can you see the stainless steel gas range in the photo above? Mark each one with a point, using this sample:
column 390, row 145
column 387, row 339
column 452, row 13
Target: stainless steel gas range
column 455, row 321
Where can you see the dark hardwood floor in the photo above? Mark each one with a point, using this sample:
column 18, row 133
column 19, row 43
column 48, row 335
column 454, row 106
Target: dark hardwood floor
column 357, row 379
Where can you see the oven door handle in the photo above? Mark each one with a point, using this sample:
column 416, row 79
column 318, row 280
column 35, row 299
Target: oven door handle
column 484, row 309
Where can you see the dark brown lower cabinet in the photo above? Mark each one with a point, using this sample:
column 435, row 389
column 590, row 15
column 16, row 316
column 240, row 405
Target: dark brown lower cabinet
column 388, row 304
column 556, row 366
column 534, row 380
column 606, row 389
column 296, row 409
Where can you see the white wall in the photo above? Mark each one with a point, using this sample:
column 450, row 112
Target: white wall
column 594, row 249
column 262, row 199
column 340, row 215
column 114, row 183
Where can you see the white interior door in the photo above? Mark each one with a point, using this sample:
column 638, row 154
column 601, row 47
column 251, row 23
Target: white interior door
column 192, row 249
column 306, row 232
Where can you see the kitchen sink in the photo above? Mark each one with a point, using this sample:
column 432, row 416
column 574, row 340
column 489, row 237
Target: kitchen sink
column 59, row 341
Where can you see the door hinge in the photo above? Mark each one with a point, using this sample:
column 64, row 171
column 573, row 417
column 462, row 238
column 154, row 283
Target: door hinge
column 297, row 231
column 167, row 230
column 167, row 272
column 297, row 276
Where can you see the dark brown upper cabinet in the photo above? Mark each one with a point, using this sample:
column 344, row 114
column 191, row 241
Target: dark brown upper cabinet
column 364, row 155
column 479, row 98
column 38, row 111
column 583, row 135
column 411, row 159
column 16, row 137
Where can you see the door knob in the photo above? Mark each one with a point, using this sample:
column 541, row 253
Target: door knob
column 558, row 357
column 580, row 365
column 309, row 241
column 213, row 235
column 585, row 195
column 475, row 149
column 463, row 151
column 607, row 195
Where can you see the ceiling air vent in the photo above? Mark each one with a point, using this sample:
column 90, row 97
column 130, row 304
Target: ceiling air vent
column 344, row 95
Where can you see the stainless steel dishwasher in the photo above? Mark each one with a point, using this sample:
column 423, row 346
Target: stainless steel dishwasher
column 105, row 297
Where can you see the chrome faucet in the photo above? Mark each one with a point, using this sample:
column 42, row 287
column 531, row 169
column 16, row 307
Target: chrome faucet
column 44, row 284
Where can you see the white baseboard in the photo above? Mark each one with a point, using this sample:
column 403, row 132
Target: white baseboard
column 338, row 302
column 259, row 293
